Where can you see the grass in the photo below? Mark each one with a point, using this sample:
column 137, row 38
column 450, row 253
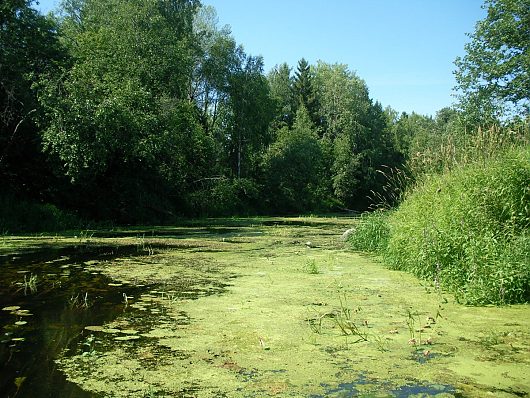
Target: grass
column 371, row 232
column 465, row 230
column 311, row 267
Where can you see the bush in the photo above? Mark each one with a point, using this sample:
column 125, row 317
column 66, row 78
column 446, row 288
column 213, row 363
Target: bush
column 467, row 229
column 22, row 216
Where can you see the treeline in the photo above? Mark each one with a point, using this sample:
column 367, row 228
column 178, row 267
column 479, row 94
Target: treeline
column 140, row 112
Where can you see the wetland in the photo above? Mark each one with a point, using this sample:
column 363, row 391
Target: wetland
column 236, row 307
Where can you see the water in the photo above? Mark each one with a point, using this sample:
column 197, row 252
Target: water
column 64, row 299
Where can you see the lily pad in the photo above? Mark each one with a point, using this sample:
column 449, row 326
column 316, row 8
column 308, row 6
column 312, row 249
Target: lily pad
column 127, row 337
column 95, row 328
column 129, row 331
column 20, row 323
column 18, row 339
column 111, row 330
column 22, row 313
column 115, row 284
column 11, row 308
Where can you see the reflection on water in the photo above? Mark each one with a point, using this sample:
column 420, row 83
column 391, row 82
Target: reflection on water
column 57, row 298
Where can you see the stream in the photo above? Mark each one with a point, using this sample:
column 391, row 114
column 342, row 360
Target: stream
column 273, row 307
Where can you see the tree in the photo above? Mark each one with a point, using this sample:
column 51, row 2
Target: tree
column 494, row 76
column 304, row 90
column 216, row 59
column 29, row 47
column 247, row 116
column 281, row 88
column 294, row 167
column 120, row 115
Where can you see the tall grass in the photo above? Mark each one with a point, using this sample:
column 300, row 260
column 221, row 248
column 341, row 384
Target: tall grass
column 459, row 148
column 467, row 230
column 464, row 219
column 371, row 233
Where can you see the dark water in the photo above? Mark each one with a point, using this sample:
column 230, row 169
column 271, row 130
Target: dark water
column 58, row 311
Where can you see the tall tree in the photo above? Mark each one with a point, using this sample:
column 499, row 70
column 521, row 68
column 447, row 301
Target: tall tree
column 248, row 117
column 122, row 111
column 304, row 91
column 494, row 76
column 281, row 87
column 294, row 167
column 29, row 47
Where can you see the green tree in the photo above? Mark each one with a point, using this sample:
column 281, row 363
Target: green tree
column 29, row 47
column 281, row 88
column 247, row 117
column 121, row 111
column 493, row 78
column 294, row 167
column 216, row 59
column 304, row 90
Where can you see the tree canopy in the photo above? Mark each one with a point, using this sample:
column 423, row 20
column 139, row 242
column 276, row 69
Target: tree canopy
column 494, row 75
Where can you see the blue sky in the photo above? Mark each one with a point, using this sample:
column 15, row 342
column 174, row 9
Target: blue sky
column 403, row 49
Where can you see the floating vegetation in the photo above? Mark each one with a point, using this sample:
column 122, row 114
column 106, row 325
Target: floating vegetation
column 95, row 328
column 126, row 338
column 242, row 320
column 11, row 308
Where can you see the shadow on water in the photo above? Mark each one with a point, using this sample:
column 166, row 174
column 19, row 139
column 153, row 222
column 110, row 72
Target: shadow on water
column 52, row 298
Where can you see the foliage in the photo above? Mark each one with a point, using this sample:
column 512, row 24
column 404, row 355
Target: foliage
column 467, row 230
column 371, row 232
column 293, row 167
column 281, row 89
column 494, row 75
column 223, row 196
column 19, row 215
column 29, row 47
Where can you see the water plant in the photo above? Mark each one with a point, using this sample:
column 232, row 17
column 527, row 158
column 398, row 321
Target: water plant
column 30, row 283
column 311, row 267
column 347, row 324
column 78, row 301
column 411, row 321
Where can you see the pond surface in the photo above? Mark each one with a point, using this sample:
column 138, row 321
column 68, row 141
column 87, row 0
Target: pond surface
column 48, row 298
column 241, row 308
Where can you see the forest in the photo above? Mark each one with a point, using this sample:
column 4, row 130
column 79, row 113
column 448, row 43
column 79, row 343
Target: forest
column 146, row 113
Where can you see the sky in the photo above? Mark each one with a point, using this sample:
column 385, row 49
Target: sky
column 403, row 49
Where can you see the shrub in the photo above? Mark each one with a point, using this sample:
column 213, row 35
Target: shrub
column 23, row 216
column 467, row 230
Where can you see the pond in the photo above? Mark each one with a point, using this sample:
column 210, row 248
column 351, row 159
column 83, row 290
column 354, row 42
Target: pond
column 241, row 308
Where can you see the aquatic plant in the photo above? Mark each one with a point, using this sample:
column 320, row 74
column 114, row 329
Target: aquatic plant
column 412, row 321
column 311, row 267
column 30, row 283
column 79, row 301
column 344, row 320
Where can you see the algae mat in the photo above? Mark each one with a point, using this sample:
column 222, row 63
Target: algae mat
column 282, row 308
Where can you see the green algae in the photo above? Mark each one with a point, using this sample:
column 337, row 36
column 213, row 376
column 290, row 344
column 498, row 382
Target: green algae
column 232, row 310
